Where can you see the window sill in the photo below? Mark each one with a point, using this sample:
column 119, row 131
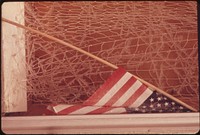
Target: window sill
column 123, row 123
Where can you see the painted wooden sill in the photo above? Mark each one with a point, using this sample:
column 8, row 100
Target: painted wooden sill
column 123, row 123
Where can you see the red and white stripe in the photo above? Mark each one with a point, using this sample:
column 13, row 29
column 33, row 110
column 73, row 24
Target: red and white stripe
column 120, row 90
column 82, row 109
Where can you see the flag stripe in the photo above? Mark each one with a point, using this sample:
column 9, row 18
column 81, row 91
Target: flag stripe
column 60, row 107
column 120, row 92
column 141, row 99
column 82, row 109
column 86, row 109
column 133, row 98
column 100, row 110
column 114, row 89
column 116, row 111
column 115, row 77
column 128, row 94
column 70, row 109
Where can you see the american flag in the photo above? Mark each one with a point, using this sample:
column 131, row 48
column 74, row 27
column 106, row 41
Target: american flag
column 121, row 93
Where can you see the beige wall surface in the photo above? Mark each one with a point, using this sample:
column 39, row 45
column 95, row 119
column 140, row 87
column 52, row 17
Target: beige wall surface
column 14, row 94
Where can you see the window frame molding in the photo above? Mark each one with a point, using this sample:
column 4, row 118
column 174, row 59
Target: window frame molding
column 121, row 123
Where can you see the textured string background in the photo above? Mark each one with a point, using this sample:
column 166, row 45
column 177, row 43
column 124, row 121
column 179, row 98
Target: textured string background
column 156, row 41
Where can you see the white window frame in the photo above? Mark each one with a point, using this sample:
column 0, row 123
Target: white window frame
column 166, row 123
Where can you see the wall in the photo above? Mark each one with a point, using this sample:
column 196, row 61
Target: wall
column 14, row 92
column 156, row 41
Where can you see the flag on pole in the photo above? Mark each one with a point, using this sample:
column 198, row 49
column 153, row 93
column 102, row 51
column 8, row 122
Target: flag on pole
column 122, row 93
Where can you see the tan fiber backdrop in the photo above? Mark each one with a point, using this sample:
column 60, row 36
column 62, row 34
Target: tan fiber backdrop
column 156, row 41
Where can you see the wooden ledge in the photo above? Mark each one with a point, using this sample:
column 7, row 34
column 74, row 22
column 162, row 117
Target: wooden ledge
column 123, row 123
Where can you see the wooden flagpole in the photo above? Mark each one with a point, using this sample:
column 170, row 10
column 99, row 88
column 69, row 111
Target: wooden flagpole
column 98, row 59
